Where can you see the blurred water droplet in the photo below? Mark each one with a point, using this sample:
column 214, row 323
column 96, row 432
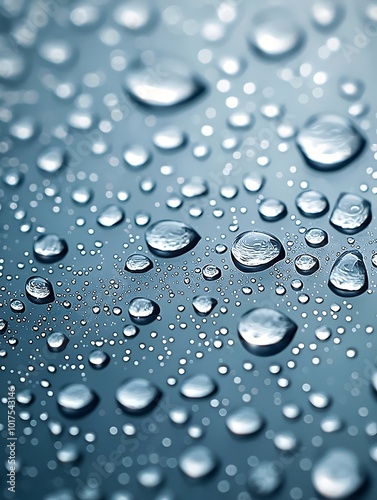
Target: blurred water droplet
column 76, row 400
column 51, row 160
column 137, row 395
column 316, row 237
column 265, row 478
column 197, row 461
column 244, row 421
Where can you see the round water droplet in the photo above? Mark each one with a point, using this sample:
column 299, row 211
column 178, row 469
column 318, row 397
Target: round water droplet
column 197, row 462
column 50, row 248
column 256, row 250
column 326, row 14
column 265, row 332
column 319, row 400
column 170, row 238
column 198, row 386
column 244, row 421
column 253, row 182
column 211, row 272
column 285, row 441
column 169, row 138
column 138, row 263
column 162, row 85
column 137, row 395
column 316, row 237
column 82, row 195
column 39, row 290
column 276, row 34
column 130, row 331
column 329, row 142
column 51, row 160
column 143, row 311
column 17, row 306
column 338, row 474
column 136, row 156
column 348, row 276
column 57, row 341
column 98, row 359
column 57, row 52
column 351, row 213
column 203, row 305
column 272, row 209
column 323, row 332
column 110, row 216
column 312, row 203
column 265, row 478
column 76, row 400
column 136, row 16
column 351, row 89
column 306, row 264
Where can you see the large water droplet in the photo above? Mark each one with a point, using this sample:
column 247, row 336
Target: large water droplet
column 203, row 304
column 57, row 341
column 198, row 386
column 51, row 160
column 272, row 209
column 329, row 142
column 143, row 311
column 244, row 421
column 39, row 290
column 197, row 461
column 351, row 213
column 76, row 400
column 138, row 263
column 316, row 237
column 162, row 85
column 137, row 395
column 338, row 474
column 50, row 248
column 265, row 332
column 256, row 250
column 349, row 277
column 98, row 359
column 170, row 238
column 276, row 34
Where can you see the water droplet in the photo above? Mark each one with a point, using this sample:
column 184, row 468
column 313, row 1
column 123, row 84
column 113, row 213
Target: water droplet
column 285, row 441
column 165, row 84
column 211, row 272
column 136, row 156
column 316, row 237
column 169, row 138
column 51, row 160
column 195, row 187
column 265, row 478
column 351, row 89
column 137, row 395
column 98, row 359
column 244, row 421
column 76, row 400
column 198, row 386
column 265, row 332
column 338, row 474
column 57, row 52
column 50, row 248
column 82, row 195
column 13, row 67
column 197, row 461
column 319, row 400
column 39, row 290
column 329, row 142
column 150, row 477
column 135, row 15
column 323, row 332
column 24, row 129
column 57, row 341
column 326, row 14
column 138, row 263
column 253, row 182
column 110, row 216
column 203, row 305
column 272, row 209
column 170, row 238
column 351, row 213
column 331, row 423
column 130, row 331
column 256, row 250
column 306, row 264
column 348, row 276
column 143, row 311
column 276, row 34
column 312, row 203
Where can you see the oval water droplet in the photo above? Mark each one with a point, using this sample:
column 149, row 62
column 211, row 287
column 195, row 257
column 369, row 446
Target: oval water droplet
column 348, row 276
column 143, row 311
column 256, row 250
column 351, row 213
column 203, row 305
column 138, row 263
column 276, row 34
column 76, row 400
column 197, row 461
column 244, row 421
column 265, row 331
column 312, row 203
column 50, row 248
column 110, row 216
column 98, row 359
column 137, row 395
column 338, row 474
column 164, row 84
column 198, row 386
column 39, row 290
column 329, row 142
column 168, row 238
column 169, row 138
column 57, row 341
